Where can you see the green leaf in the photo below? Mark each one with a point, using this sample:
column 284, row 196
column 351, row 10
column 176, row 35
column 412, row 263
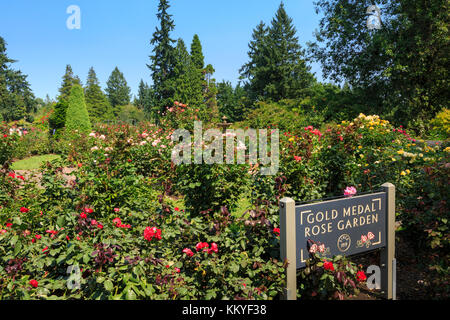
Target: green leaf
column 14, row 240
column 17, row 248
column 108, row 285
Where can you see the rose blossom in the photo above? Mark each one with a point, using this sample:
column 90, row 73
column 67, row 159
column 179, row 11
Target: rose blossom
column 350, row 191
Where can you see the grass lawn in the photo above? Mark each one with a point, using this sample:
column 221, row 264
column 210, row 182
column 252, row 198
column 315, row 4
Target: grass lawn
column 33, row 162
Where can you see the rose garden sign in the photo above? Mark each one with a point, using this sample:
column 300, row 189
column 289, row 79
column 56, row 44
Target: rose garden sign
column 345, row 226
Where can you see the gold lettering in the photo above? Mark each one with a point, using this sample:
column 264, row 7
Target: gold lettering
column 375, row 218
column 362, row 221
column 367, row 208
column 317, row 217
column 307, row 232
column 355, row 222
column 360, row 209
column 330, row 227
column 317, row 230
column 340, row 225
column 346, row 212
column 334, row 214
column 307, row 218
column 348, row 224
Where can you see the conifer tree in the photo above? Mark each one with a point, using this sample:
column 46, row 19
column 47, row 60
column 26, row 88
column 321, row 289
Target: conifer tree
column 117, row 90
column 277, row 68
column 16, row 98
column 69, row 79
column 77, row 117
column 96, row 101
column 163, row 58
column 145, row 99
column 198, row 73
column 57, row 119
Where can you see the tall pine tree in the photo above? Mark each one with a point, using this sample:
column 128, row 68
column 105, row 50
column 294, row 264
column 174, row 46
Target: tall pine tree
column 57, row 119
column 117, row 90
column 69, row 79
column 145, row 99
column 96, row 101
column 16, row 98
column 163, row 59
column 277, row 68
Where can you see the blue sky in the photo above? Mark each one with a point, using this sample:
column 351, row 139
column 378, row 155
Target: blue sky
column 118, row 33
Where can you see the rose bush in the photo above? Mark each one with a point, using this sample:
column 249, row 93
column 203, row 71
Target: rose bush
column 114, row 223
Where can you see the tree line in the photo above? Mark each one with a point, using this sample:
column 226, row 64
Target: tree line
column 399, row 71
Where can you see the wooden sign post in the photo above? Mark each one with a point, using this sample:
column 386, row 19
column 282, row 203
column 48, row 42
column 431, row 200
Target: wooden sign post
column 346, row 226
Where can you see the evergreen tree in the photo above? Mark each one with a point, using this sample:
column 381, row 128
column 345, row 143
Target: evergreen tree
column 145, row 100
column 163, row 58
column 69, row 79
column 16, row 98
column 183, row 74
column 198, row 73
column 197, row 53
column 254, row 72
column 57, row 119
column 230, row 101
column 77, row 116
column 96, row 101
column 117, row 91
column 400, row 70
column 210, row 94
column 277, row 68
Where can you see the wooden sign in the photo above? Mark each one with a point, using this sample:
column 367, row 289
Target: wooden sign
column 346, row 226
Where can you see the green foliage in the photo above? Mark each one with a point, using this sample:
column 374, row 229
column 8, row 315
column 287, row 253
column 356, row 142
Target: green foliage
column 16, row 98
column 230, row 101
column 209, row 187
column 163, row 59
column 7, row 145
column 117, row 91
column 69, row 80
column 440, row 125
column 57, row 119
column 96, row 101
column 277, row 68
column 35, row 142
column 330, row 278
column 130, row 114
column 396, row 77
column 77, row 117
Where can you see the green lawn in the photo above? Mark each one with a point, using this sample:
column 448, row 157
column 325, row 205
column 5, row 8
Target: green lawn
column 33, row 162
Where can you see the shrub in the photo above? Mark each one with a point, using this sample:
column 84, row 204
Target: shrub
column 77, row 117
column 440, row 125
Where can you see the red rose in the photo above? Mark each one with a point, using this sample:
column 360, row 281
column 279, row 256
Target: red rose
column 177, row 209
column 116, row 209
column 214, row 248
column 152, row 232
column 361, row 276
column 100, row 226
column 88, row 210
column 188, row 252
column 33, row 283
column 117, row 221
column 24, row 210
column 328, row 265
column 83, row 215
column 201, row 245
column 276, row 231
column 38, row 236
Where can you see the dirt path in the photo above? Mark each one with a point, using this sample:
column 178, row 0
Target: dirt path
column 36, row 176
